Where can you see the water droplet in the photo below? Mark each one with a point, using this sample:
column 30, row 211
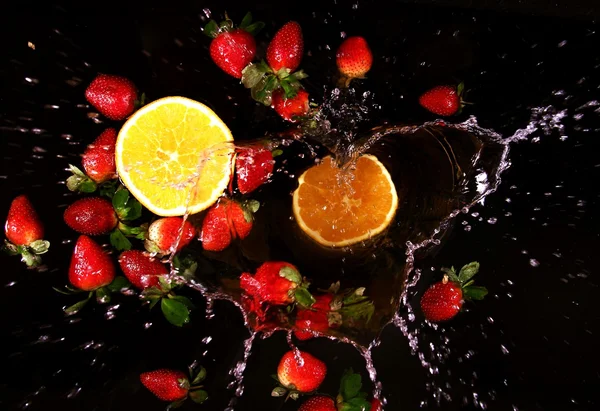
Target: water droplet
column 534, row 263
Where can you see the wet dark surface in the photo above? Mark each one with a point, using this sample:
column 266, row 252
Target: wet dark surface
column 530, row 345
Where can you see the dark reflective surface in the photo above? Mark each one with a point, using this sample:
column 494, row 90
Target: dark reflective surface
column 545, row 317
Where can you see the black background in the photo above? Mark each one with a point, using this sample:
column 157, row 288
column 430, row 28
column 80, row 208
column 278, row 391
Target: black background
column 507, row 53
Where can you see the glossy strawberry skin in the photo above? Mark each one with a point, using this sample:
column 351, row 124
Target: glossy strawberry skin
column 354, row 57
column 91, row 268
column 286, row 48
column 99, row 157
column 167, row 385
column 375, row 405
column 216, row 233
column 318, row 403
column 91, row 216
column 442, row 301
column 267, row 285
column 113, row 96
column 164, row 232
column 441, row 100
column 241, row 220
column 23, row 225
column 253, row 168
column 290, row 108
column 140, row 269
column 316, row 318
column 232, row 51
column 303, row 378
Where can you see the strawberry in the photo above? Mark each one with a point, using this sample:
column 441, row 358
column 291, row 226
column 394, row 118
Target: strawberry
column 300, row 375
column 443, row 100
column 290, row 108
column 444, row 299
column 233, row 49
column 375, row 405
column 91, row 268
column 113, row 96
column 253, row 167
column 173, row 385
column 286, row 48
column 315, row 318
column 276, row 283
column 164, row 233
column 318, row 403
column 23, row 226
column 354, row 58
column 24, row 232
column 225, row 221
column 140, row 269
column 167, row 385
column 91, row 216
column 99, row 157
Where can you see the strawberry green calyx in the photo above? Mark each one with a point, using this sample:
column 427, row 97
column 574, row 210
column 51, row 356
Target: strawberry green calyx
column 103, row 294
column 30, row 254
column 263, row 81
column 175, row 308
column 300, row 293
column 196, row 393
column 350, row 397
column 127, row 209
column 465, row 280
column 213, row 29
column 79, row 181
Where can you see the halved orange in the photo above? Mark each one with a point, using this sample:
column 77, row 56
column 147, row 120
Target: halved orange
column 174, row 155
column 343, row 206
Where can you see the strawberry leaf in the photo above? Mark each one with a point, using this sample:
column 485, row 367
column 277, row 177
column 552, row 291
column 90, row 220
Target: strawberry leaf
column 175, row 312
column 299, row 75
column 276, row 153
column 252, row 75
column 102, row 295
column 136, row 232
column 290, row 274
column 109, row 188
column 211, row 29
column 119, row 284
column 356, row 404
column 165, row 283
column 40, row 246
column 198, row 396
column 246, row 21
column 451, row 273
column 186, row 266
column 460, row 88
column 468, row 271
column 29, row 258
column 304, row 297
column 254, row 28
column 253, row 205
column 176, row 404
column 153, row 302
column 11, row 249
column 75, row 308
column 119, row 241
column 350, row 385
column 278, row 392
column 474, row 292
column 119, row 200
column 201, row 376
column 184, row 300
column 289, row 89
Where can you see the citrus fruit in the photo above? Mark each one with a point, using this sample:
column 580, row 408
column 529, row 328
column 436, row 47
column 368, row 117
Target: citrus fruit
column 174, row 155
column 344, row 206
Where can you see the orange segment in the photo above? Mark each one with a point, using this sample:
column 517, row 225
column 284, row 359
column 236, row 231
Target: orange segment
column 339, row 207
column 174, row 155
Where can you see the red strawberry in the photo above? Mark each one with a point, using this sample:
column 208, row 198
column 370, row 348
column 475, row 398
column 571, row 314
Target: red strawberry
column 303, row 374
column 232, row 51
column 24, row 232
column 91, row 268
column 99, row 157
column 167, row 385
column 354, row 58
column 140, row 269
column 444, row 299
column 91, row 216
column 442, row 100
column 290, row 108
column 164, row 233
column 253, row 167
column 113, row 96
column 315, row 318
column 225, row 221
column 375, row 405
column 286, row 48
column 23, row 226
column 276, row 283
column 318, row 403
